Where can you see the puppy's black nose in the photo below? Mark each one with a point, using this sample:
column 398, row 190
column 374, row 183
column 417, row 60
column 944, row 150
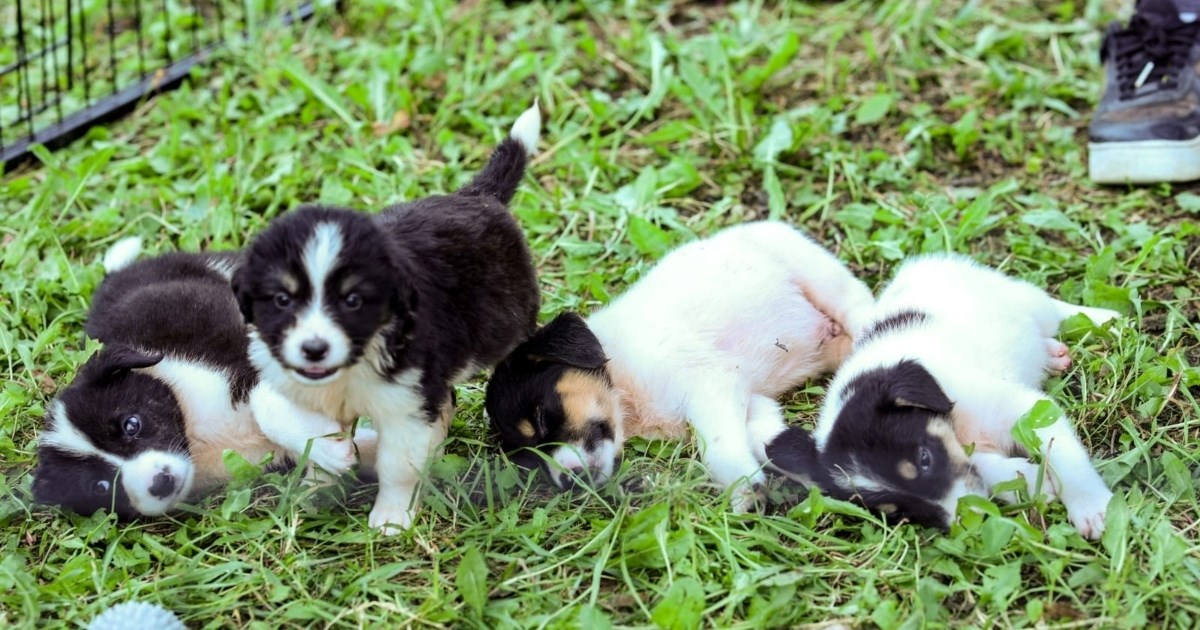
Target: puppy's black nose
column 315, row 349
column 163, row 486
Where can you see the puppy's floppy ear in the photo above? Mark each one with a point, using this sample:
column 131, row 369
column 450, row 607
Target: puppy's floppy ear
column 913, row 386
column 239, row 283
column 794, row 453
column 567, row 340
column 114, row 361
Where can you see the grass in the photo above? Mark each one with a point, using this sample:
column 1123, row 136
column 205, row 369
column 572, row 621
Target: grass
column 883, row 128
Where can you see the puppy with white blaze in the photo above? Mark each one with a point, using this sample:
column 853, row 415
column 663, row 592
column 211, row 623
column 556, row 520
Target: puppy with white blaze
column 354, row 314
column 955, row 355
column 145, row 423
column 708, row 339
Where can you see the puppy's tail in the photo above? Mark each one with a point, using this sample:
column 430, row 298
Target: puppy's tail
column 122, row 253
column 502, row 174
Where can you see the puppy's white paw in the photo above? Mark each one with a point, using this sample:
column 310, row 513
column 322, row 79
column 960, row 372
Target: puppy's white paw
column 1060, row 358
column 390, row 519
column 744, row 499
column 1087, row 512
column 333, row 455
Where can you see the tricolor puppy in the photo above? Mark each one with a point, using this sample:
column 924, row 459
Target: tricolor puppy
column 956, row 354
column 144, row 424
column 356, row 314
column 709, row 338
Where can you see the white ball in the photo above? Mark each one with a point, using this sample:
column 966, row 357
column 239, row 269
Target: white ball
column 136, row 616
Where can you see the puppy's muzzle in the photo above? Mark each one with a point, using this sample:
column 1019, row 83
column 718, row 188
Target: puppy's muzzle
column 163, row 485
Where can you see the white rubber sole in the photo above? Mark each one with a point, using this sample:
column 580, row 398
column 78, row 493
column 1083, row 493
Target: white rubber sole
column 1144, row 162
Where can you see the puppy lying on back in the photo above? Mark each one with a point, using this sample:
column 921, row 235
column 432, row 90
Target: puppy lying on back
column 144, row 424
column 710, row 337
column 956, row 354
column 380, row 315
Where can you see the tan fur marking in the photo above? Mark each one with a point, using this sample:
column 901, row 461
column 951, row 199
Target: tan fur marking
column 525, row 428
column 887, row 508
column 585, row 398
column 289, row 282
column 907, row 470
column 944, row 431
column 348, row 283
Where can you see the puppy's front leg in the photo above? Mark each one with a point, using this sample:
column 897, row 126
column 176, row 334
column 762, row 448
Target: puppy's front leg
column 405, row 444
column 292, row 426
column 720, row 418
column 1080, row 487
column 996, row 469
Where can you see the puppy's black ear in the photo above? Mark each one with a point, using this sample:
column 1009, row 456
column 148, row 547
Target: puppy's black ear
column 913, row 386
column 794, row 453
column 114, row 361
column 567, row 340
column 241, row 291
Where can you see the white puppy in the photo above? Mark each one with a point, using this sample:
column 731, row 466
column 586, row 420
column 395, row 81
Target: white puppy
column 710, row 337
column 955, row 355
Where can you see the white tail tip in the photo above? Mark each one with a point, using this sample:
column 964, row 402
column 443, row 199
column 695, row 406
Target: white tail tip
column 527, row 128
column 122, row 253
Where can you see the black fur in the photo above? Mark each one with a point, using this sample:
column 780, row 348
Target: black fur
column 892, row 323
column 171, row 305
column 523, row 387
column 447, row 280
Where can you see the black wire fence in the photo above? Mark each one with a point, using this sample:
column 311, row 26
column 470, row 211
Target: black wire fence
column 66, row 65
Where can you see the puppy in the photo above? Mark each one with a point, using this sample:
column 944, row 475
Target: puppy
column 145, row 423
column 955, row 355
column 709, row 338
column 354, row 314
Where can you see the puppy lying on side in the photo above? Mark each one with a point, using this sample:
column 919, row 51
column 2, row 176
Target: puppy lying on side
column 710, row 337
column 380, row 315
column 144, row 424
column 956, row 354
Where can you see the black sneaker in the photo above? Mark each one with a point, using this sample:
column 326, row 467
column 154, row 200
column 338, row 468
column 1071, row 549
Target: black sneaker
column 1147, row 127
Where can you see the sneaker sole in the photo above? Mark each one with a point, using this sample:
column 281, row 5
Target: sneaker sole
column 1144, row 162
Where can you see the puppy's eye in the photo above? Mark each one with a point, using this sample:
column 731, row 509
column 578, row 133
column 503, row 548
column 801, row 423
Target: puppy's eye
column 924, row 459
column 352, row 301
column 132, row 425
column 100, row 486
column 283, row 300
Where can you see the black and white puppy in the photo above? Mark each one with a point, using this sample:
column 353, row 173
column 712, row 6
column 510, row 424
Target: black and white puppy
column 956, row 354
column 145, row 423
column 355, row 314
column 706, row 341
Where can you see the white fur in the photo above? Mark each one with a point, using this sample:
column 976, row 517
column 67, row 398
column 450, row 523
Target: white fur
column 989, row 343
column 722, row 327
column 122, row 253
column 320, row 258
column 223, row 266
column 527, row 128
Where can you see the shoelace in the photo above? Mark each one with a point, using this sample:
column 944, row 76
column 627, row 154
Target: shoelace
column 1149, row 54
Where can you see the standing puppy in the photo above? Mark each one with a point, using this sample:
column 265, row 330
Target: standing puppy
column 956, row 354
column 710, row 337
column 145, row 423
column 355, row 314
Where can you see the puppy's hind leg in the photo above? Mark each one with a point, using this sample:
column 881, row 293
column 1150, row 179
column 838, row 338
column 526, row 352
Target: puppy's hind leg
column 1079, row 486
column 407, row 441
column 1097, row 315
